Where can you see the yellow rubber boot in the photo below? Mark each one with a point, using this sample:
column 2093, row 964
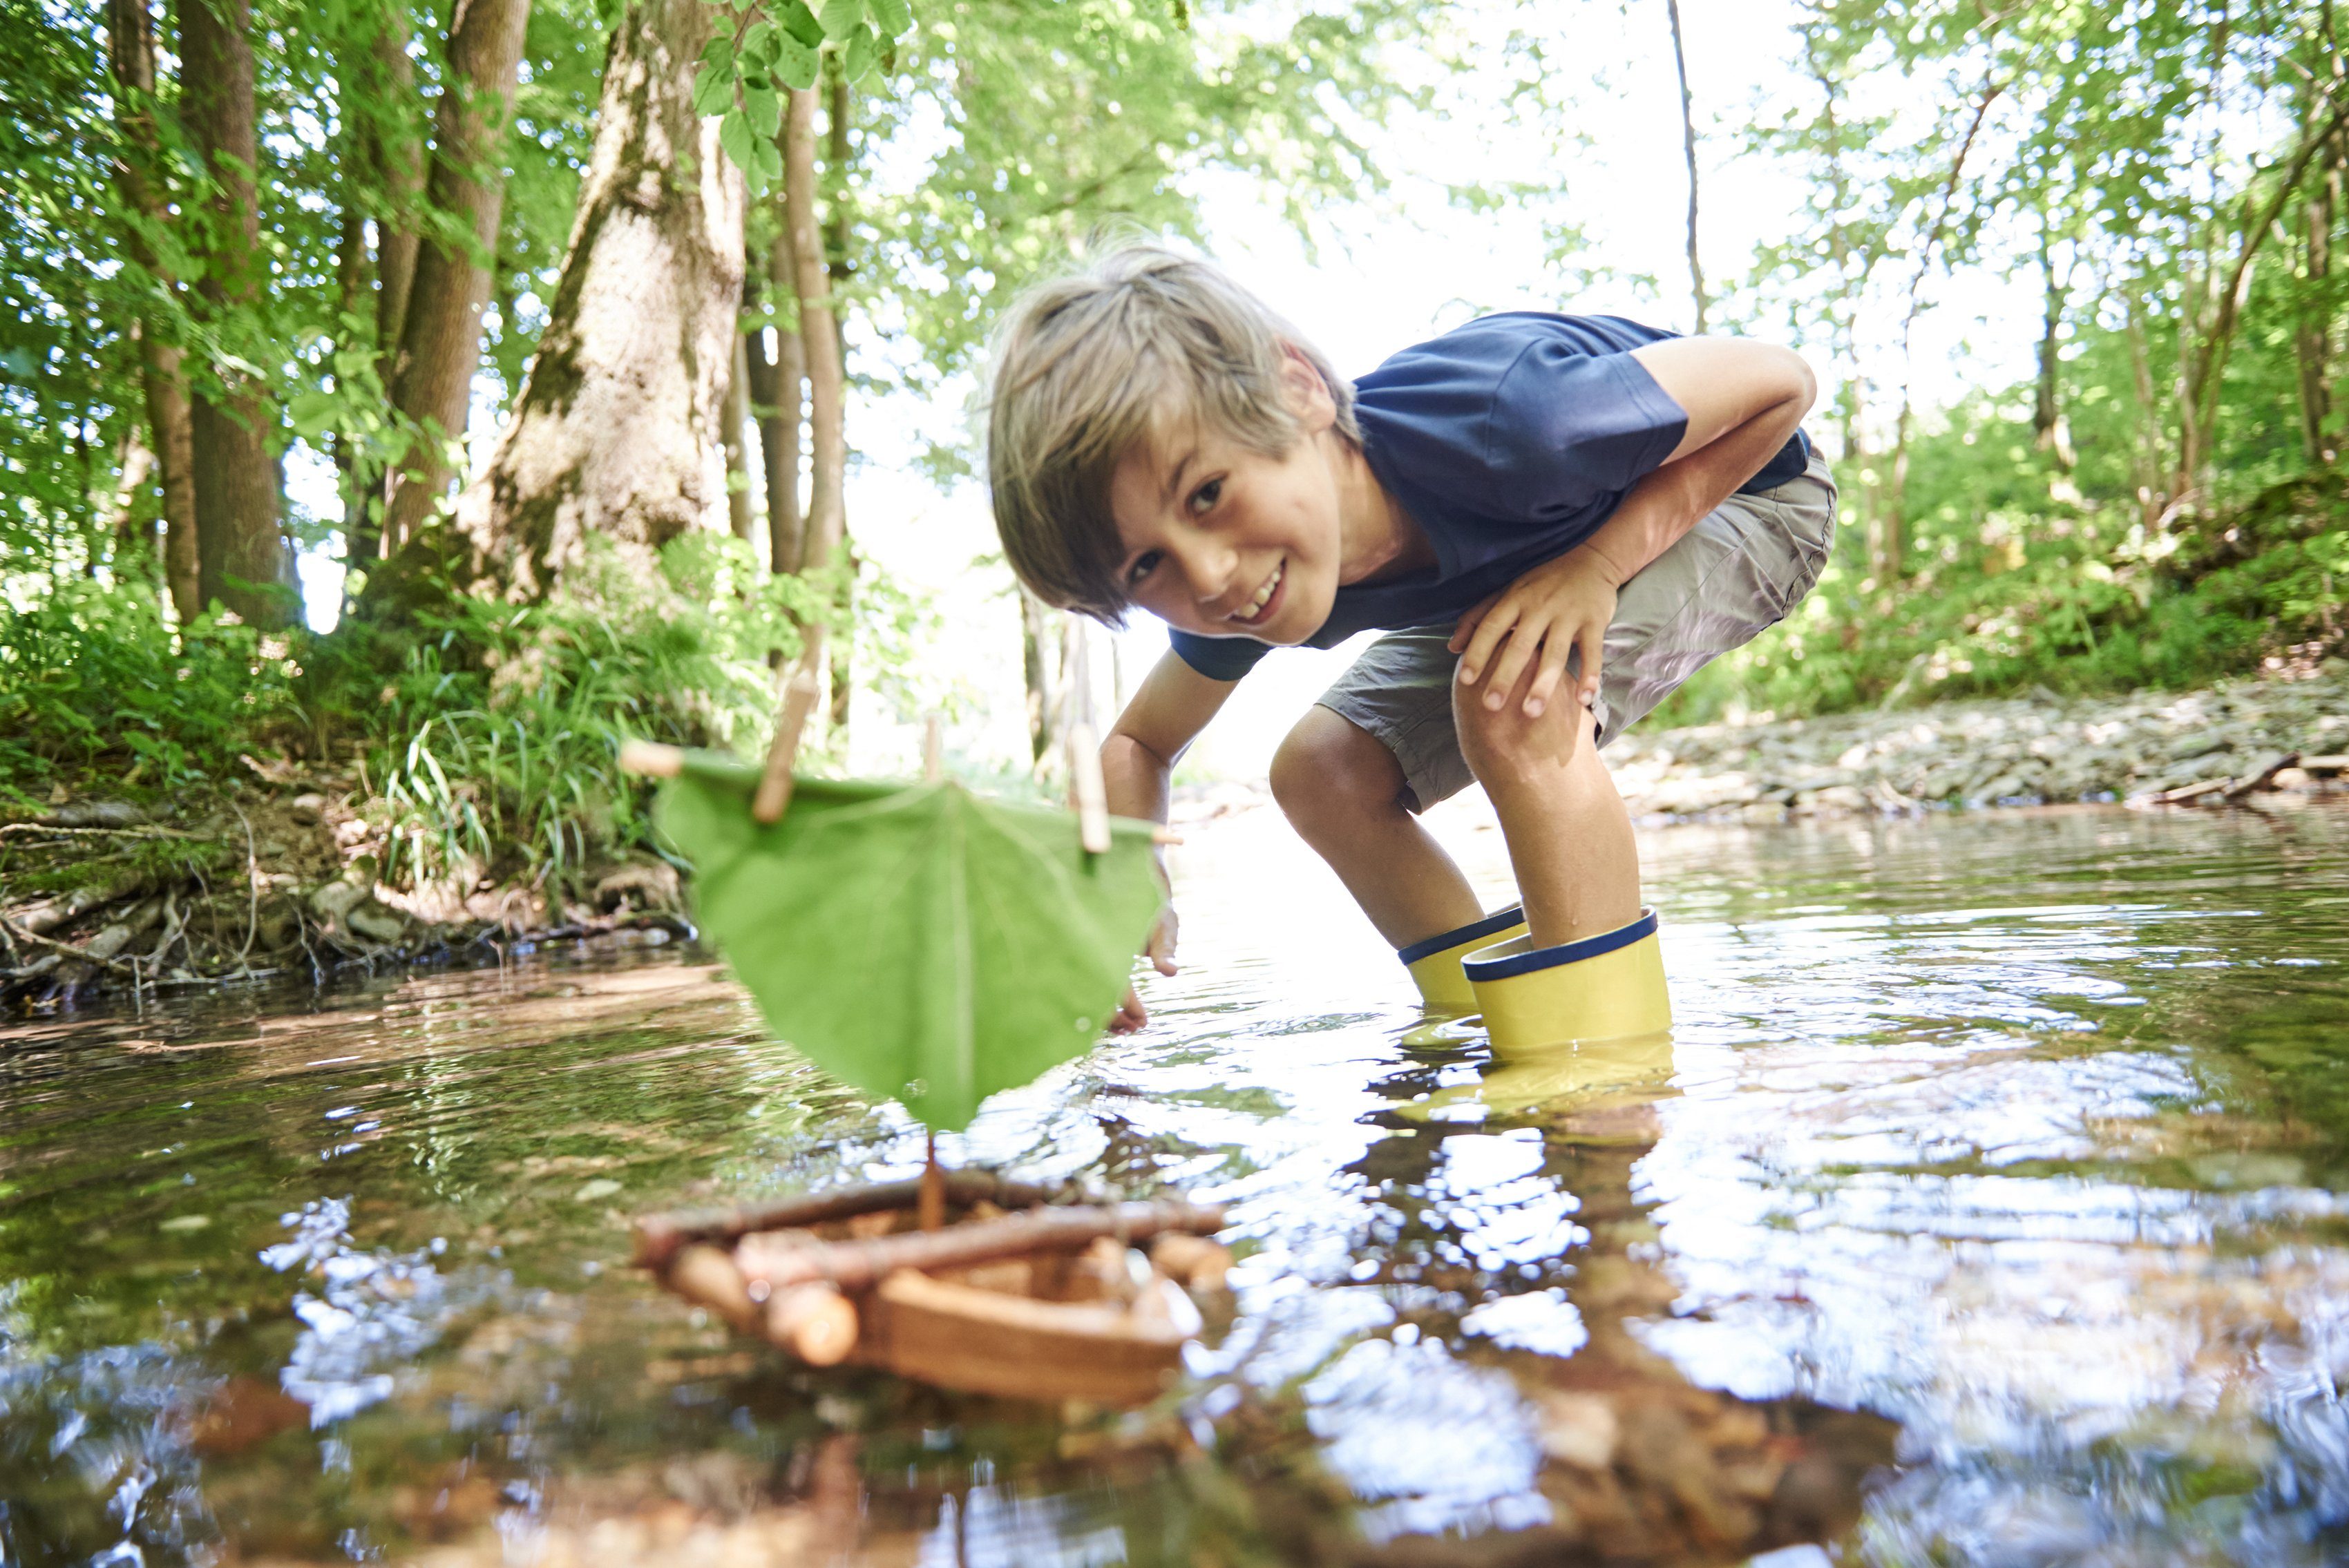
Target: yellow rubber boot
column 1435, row 964
column 1604, row 987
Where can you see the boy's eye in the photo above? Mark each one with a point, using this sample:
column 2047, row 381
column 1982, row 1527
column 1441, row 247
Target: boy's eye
column 1144, row 565
column 1203, row 499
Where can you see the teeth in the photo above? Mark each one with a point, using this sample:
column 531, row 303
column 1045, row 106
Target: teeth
column 1264, row 593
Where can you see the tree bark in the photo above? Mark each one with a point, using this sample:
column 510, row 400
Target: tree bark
column 243, row 558
column 1688, row 144
column 130, row 30
column 779, row 401
column 441, row 336
column 618, row 431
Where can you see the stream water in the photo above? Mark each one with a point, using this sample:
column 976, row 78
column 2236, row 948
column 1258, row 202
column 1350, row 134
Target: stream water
column 1986, row 1207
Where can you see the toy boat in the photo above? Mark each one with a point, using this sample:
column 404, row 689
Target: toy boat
column 1011, row 1294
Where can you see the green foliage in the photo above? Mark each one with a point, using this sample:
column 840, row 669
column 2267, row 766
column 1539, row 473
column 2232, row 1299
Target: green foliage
column 2013, row 591
column 1000, row 945
column 492, row 744
column 93, row 686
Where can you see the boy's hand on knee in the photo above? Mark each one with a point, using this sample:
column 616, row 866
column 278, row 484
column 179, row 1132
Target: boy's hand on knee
column 1559, row 606
column 1160, row 949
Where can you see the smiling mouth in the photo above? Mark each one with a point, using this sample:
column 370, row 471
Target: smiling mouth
column 1255, row 613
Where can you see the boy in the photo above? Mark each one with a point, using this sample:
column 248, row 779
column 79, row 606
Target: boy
column 1560, row 519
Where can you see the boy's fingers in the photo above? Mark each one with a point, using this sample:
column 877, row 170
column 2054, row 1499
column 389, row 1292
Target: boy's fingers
column 1547, row 678
column 1592, row 641
column 1496, row 624
column 1131, row 1015
column 1524, row 642
column 1466, row 628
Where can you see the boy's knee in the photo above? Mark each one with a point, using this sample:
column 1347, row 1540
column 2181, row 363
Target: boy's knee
column 1328, row 770
column 1505, row 746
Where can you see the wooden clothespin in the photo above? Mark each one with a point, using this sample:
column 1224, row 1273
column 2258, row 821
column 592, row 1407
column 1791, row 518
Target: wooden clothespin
column 799, row 701
column 934, row 749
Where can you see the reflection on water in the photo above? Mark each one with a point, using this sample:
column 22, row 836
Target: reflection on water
column 1984, row 1207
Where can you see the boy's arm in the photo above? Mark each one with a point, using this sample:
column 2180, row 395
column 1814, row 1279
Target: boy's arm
column 1744, row 402
column 1138, row 759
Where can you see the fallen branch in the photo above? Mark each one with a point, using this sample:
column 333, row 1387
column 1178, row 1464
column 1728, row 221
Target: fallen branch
column 37, row 919
column 65, row 950
column 2185, row 794
column 2260, row 778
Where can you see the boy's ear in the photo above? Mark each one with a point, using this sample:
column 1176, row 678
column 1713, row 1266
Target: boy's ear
column 1307, row 394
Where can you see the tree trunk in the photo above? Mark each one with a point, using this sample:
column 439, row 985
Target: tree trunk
column 2145, row 460
column 779, row 401
column 441, row 336
column 130, row 28
column 1040, row 638
column 618, row 431
column 2312, row 337
column 2207, row 326
column 243, row 558
column 738, row 417
column 835, row 250
column 1688, row 144
column 399, row 162
column 2050, row 431
column 1888, row 526
column 819, row 337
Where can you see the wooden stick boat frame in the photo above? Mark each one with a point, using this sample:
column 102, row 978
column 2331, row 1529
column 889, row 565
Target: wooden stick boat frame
column 984, row 1304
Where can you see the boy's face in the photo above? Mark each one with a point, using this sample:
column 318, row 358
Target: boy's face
column 1225, row 542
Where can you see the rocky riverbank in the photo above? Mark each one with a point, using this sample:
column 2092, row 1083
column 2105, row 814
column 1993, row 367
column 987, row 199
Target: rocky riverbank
column 2243, row 741
column 2236, row 740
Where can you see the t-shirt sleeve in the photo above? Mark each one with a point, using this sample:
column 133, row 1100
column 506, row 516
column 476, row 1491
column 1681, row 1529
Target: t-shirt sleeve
column 1570, row 428
column 1218, row 658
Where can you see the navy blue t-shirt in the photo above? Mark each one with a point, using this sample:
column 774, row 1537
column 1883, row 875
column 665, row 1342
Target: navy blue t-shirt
column 1509, row 441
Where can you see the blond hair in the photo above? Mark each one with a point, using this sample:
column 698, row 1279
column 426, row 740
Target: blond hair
column 1092, row 366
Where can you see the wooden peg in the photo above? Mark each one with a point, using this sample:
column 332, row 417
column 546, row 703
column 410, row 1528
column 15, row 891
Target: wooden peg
column 814, row 1321
column 1088, row 790
column 799, row 701
column 930, row 1208
column 707, row 1274
column 934, row 749
column 651, row 758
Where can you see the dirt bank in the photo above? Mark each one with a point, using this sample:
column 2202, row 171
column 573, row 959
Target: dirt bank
column 273, row 877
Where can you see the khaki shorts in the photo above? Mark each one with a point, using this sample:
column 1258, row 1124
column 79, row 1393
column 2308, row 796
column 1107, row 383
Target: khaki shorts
column 1734, row 574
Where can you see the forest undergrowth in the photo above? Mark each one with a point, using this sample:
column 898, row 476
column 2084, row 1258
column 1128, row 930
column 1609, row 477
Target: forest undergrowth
column 2011, row 596
column 216, row 801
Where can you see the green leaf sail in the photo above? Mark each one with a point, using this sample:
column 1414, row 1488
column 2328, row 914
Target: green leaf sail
column 917, row 941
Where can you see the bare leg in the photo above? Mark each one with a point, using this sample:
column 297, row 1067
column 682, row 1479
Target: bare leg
column 1569, row 836
column 1343, row 791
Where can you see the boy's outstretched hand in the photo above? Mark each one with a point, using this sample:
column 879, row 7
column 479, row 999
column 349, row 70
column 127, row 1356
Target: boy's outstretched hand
column 1160, row 949
column 1562, row 604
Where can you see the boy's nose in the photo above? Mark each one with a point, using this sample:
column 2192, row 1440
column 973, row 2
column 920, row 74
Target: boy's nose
column 1209, row 567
